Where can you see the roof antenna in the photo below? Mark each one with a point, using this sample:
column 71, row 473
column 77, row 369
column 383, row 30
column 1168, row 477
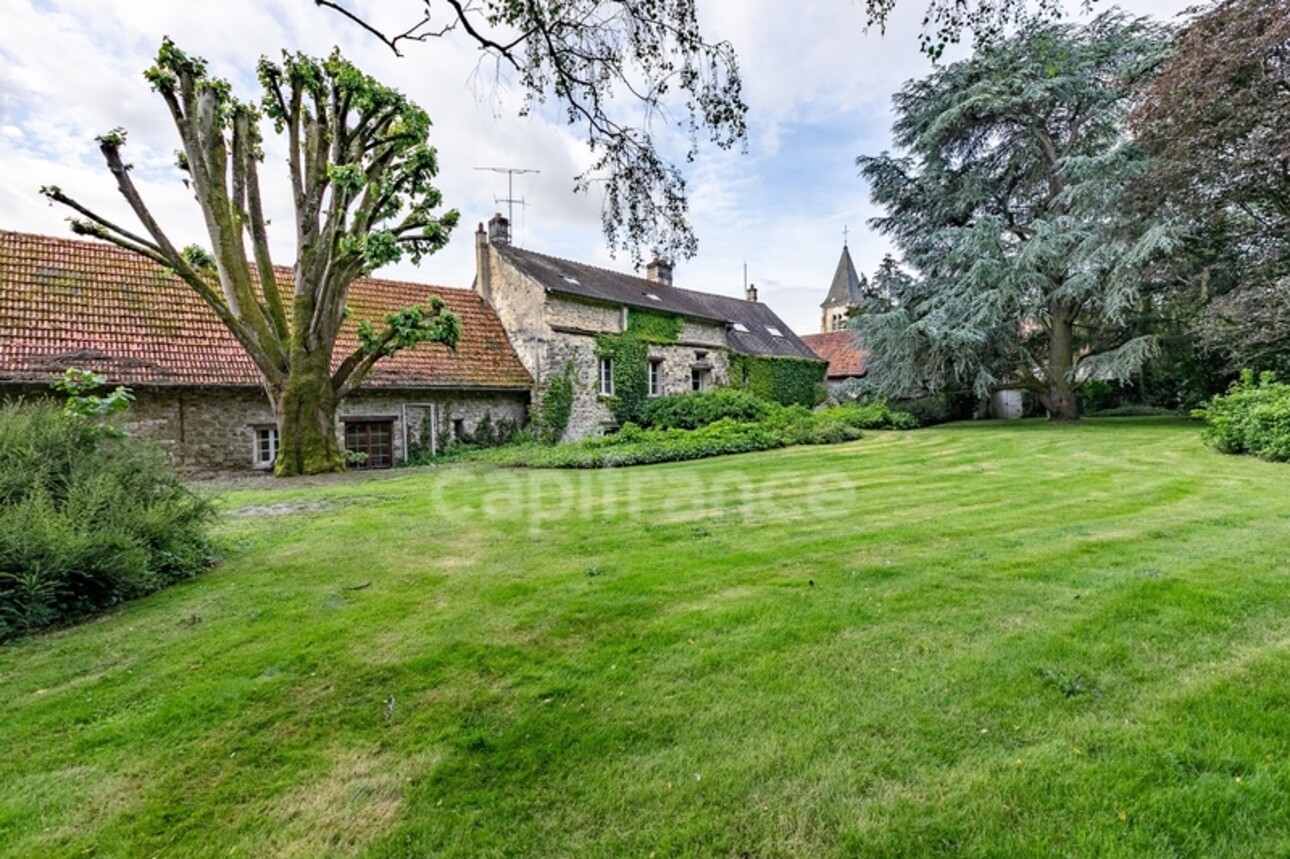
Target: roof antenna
column 509, row 199
column 845, row 231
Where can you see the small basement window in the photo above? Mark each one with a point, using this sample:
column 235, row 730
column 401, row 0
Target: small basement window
column 458, row 428
column 607, row 377
column 371, row 443
column 265, row 451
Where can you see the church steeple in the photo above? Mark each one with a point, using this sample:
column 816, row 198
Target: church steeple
column 846, row 292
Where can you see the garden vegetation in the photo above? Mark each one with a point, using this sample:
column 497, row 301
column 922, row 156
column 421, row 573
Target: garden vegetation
column 88, row 517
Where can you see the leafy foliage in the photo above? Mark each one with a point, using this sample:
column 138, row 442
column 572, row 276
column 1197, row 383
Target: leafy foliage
column 79, row 386
column 87, row 519
column 556, row 407
column 1217, row 122
column 590, row 56
column 1004, row 206
column 780, row 426
column 694, row 410
column 361, row 172
column 1253, row 417
column 630, row 352
column 783, row 380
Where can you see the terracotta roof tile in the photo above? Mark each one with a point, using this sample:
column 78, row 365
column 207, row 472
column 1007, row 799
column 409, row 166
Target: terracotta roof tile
column 839, row 348
column 67, row 302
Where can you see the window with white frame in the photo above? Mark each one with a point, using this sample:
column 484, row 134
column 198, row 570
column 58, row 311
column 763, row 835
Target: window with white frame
column 607, row 376
column 265, row 450
column 699, row 378
column 656, row 377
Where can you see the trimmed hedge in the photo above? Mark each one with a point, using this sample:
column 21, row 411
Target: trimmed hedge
column 1251, row 418
column 87, row 519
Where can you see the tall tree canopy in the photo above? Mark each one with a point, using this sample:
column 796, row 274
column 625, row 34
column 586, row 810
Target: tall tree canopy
column 361, row 171
column 1217, row 122
column 615, row 66
column 1003, row 204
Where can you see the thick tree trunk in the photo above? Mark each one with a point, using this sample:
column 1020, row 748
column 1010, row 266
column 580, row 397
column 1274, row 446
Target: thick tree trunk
column 1059, row 394
column 307, row 442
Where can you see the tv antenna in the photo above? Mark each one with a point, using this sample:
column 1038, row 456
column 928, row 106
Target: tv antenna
column 509, row 199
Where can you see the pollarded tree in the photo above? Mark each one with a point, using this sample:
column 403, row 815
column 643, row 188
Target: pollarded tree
column 1004, row 205
column 361, row 172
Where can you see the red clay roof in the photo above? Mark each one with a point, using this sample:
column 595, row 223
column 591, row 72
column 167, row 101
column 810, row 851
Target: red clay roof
column 66, row 302
column 839, row 348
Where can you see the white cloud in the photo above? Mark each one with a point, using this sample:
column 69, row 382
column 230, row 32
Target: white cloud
column 818, row 87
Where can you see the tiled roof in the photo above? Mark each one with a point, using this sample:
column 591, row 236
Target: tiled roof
column 67, row 302
column 839, row 348
column 587, row 281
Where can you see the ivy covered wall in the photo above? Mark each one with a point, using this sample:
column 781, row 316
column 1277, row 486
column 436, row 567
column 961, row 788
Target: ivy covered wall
column 630, row 353
column 787, row 381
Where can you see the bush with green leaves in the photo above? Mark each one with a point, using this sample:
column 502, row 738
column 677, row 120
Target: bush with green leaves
column 88, row 518
column 1253, row 418
column 781, row 426
column 691, row 411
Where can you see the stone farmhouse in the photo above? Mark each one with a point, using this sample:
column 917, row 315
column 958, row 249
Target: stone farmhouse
column 563, row 317
column 66, row 302
column 74, row 303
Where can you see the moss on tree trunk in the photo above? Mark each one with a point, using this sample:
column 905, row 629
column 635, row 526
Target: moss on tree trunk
column 307, row 442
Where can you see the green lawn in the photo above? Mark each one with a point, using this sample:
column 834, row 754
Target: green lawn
column 976, row 640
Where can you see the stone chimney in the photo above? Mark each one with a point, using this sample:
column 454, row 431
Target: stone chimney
column 483, row 271
column 499, row 230
column 751, row 292
column 659, row 271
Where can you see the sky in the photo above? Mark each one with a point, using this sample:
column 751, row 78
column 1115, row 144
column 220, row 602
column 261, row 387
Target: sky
column 818, row 88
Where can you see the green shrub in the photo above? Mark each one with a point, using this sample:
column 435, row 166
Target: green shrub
column 87, row 519
column 938, row 408
column 781, row 426
column 1251, row 418
column 691, row 411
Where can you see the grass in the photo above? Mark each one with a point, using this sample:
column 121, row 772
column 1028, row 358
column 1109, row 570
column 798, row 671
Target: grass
column 974, row 640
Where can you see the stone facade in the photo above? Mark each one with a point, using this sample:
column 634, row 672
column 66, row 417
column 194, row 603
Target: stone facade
column 551, row 333
column 213, row 429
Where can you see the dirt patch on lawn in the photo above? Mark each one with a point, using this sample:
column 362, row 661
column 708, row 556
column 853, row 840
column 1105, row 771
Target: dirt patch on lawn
column 359, row 800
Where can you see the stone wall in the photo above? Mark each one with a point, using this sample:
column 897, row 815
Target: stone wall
column 212, row 429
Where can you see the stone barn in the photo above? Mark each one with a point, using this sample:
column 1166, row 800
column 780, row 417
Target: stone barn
column 72, row 303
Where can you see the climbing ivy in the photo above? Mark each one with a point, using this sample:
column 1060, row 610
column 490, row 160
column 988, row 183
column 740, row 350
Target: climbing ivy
column 630, row 351
column 557, row 407
column 653, row 327
column 783, row 380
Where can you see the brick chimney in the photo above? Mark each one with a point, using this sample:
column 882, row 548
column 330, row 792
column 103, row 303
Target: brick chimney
column 483, row 271
column 751, row 292
column 499, row 230
column 659, row 271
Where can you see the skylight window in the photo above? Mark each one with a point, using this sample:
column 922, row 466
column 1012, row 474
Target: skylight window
column 572, row 280
column 775, row 332
column 740, row 327
column 652, row 297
